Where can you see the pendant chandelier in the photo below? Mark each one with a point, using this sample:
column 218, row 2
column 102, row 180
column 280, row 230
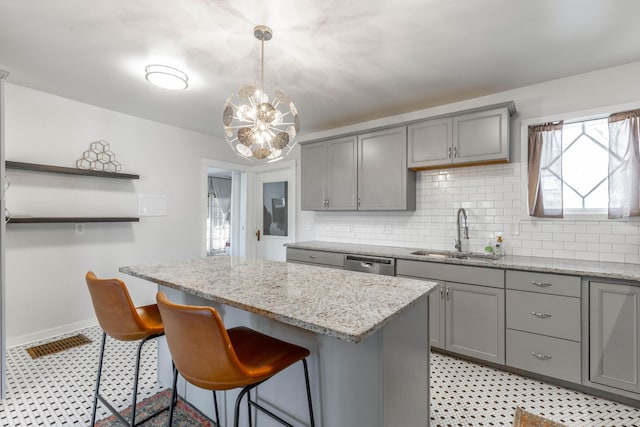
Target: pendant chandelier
column 256, row 125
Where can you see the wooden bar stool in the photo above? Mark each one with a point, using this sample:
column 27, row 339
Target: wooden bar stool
column 119, row 319
column 213, row 358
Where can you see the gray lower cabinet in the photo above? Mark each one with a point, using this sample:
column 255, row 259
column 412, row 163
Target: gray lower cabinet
column 475, row 321
column 467, row 315
column 384, row 182
column 329, row 175
column 436, row 317
column 312, row 257
column 543, row 323
column 614, row 342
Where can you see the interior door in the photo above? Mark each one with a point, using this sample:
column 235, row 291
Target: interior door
column 275, row 213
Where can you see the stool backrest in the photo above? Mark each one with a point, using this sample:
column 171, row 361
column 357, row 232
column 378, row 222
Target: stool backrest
column 114, row 309
column 200, row 346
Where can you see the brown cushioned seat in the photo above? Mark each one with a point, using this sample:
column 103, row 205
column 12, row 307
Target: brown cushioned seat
column 211, row 357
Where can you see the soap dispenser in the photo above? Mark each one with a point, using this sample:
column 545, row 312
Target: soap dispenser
column 498, row 249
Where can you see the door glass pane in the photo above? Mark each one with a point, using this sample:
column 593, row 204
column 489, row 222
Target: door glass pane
column 274, row 210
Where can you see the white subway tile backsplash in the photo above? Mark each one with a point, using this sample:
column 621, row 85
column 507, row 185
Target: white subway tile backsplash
column 492, row 197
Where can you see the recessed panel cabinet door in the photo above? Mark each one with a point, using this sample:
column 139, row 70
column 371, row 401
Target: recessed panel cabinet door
column 436, row 317
column 314, row 176
column 382, row 171
column 481, row 136
column 342, row 182
column 430, row 143
column 614, row 335
column 475, row 321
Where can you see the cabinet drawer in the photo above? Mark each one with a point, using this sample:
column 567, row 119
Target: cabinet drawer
column 315, row 257
column 553, row 357
column 556, row 284
column 451, row 273
column 552, row 315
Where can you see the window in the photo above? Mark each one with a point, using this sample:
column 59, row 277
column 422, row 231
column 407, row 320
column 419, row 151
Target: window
column 585, row 167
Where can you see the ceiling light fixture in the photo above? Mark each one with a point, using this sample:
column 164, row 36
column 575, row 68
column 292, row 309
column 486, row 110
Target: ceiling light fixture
column 258, row 126
column 166, row 77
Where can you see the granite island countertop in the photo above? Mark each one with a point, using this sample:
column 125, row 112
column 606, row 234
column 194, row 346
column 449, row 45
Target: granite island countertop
column 611, row 270
column 344, row 304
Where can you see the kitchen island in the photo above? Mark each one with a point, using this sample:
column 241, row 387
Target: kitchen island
column 368, row 336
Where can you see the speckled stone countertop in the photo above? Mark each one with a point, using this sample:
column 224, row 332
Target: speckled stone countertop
column 343, row 304
column 612, row 270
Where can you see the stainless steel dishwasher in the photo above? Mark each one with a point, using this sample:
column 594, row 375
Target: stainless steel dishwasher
column 370, row 264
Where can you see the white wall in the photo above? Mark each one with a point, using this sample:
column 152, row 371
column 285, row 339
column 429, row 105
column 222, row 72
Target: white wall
column 45, row 263
column 492, row 195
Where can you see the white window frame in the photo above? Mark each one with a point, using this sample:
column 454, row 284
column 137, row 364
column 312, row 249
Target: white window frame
column 576, row 116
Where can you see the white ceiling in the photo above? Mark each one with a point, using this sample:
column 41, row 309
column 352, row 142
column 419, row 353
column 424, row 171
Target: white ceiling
column 341, row 61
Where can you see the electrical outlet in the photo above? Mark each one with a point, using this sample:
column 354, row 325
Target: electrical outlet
column 79, row 229
column 386, row 229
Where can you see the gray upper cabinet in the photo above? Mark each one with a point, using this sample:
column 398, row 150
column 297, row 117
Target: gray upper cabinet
column 430, row 143
column 329, row 175
column 384, row 182
column 614, row 340
column 468, row 138
column 481, row 136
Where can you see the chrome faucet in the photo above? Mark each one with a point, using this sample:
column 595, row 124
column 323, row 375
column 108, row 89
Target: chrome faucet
column 458, row 244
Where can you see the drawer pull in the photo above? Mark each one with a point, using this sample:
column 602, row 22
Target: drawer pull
column 540, row 356
column 541, row 315
column 541, row 284
column 313, row 256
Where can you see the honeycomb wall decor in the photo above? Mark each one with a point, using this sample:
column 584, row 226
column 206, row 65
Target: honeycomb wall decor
column 99, row 158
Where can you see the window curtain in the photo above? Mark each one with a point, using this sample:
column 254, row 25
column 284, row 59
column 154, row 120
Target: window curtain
column 545, row 170
column 219, row 202
column 624, row 164
column 221, row 188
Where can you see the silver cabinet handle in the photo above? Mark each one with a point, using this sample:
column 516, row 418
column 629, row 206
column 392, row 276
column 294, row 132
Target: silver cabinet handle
column 449, row 152
column 447, row 294
column 541, row 356
column 441, row 292
column 541, row 284
column 455, row 152
column 313, row 256
column 366, row 264
column 541, row 315
column 358, row 201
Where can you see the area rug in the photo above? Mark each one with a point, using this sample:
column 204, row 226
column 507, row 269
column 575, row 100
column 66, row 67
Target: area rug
column 185, row 415
column 527, row 419
column 57, row 346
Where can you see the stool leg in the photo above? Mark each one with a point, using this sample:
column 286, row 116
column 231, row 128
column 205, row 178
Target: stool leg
column 306, row 380
column 215, row 404
column 135, row 380
column 236, row 415
column 174, row 395
column 95, row 396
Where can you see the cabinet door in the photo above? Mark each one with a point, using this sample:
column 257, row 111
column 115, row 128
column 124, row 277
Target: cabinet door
column 342, row 176
column 430, row 143
column 614, row 335
column 436, row 317
column 481, row 136
column 475, row 321
column 313, row 172
column 382, row 171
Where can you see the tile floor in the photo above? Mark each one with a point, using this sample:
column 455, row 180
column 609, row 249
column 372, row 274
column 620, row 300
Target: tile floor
column 58, row 390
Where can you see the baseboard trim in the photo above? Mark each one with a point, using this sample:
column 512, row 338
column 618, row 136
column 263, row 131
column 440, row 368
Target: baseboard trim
column 49, row 333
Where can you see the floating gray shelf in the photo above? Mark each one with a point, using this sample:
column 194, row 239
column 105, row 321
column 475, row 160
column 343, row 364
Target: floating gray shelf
column 68, row 171
column 72, row 219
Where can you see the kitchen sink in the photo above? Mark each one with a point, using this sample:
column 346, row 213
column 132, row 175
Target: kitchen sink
column 455, row 254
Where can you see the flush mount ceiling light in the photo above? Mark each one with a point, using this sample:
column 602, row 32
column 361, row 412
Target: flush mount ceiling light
column 256, row 125
column 166, row 77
